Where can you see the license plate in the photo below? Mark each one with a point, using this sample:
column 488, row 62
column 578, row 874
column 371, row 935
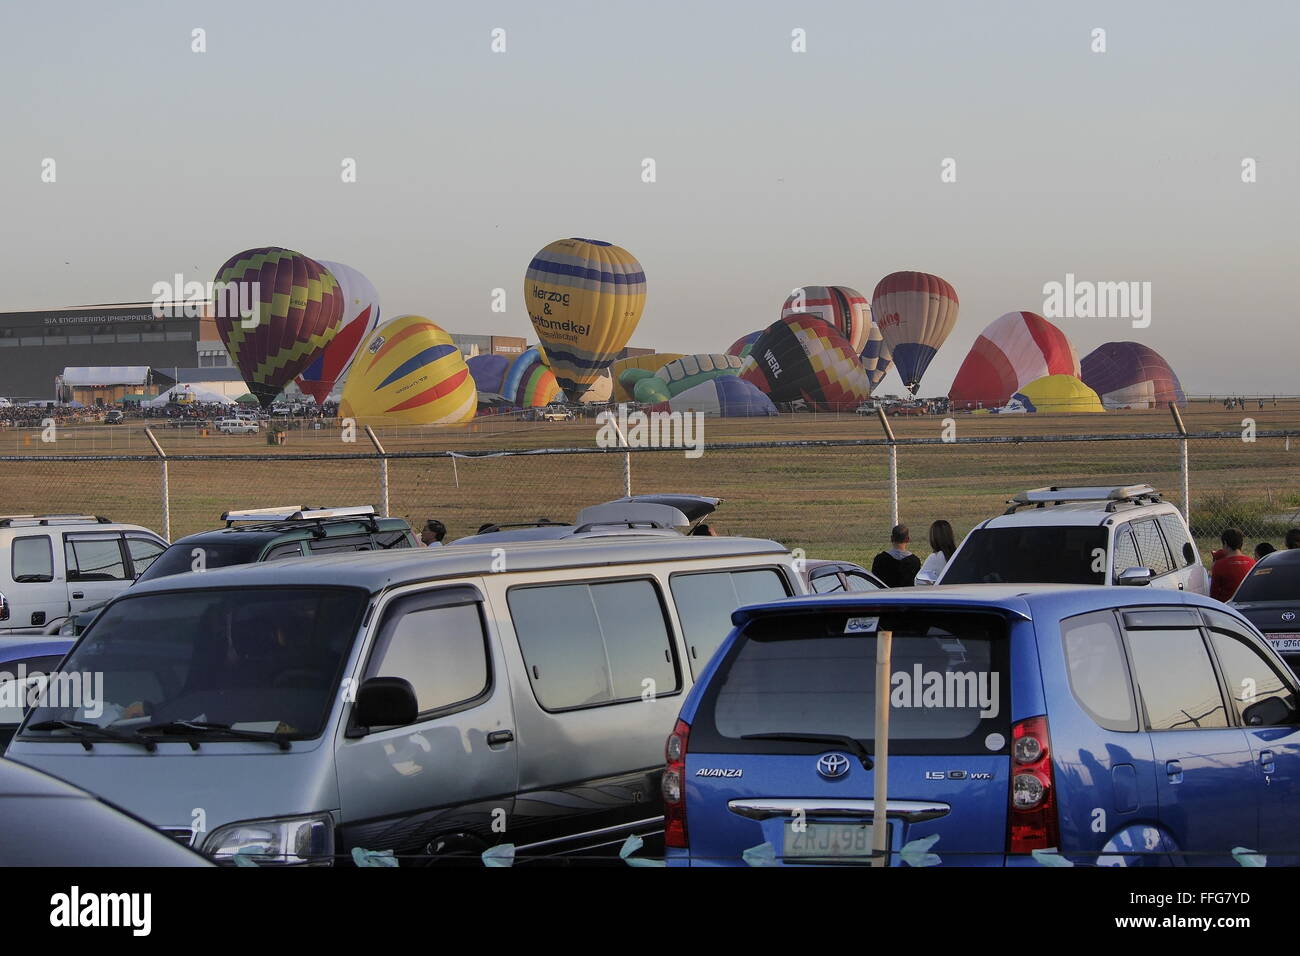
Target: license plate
column 1284, row 642
column 828, row 841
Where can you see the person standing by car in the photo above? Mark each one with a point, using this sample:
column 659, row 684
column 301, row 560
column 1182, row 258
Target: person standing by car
column 1228, row 570
column 942, row 545
column 897, row 567
column 433, row 533
column 1292, row 539
column 1262, row 549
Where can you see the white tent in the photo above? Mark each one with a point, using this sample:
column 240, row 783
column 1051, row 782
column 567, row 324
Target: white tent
column 189, row 393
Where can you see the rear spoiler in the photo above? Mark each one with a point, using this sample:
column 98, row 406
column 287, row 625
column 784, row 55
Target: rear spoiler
column 805, row 604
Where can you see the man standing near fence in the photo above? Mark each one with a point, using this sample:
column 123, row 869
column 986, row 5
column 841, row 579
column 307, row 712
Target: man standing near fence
column 1228, row 570
column 897, row 567
column 432, row 534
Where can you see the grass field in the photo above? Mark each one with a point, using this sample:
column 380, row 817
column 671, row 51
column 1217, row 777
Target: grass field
column 831, row 501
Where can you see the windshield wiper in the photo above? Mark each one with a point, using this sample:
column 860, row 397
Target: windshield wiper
column 84, row 731
column 844, row 740
column 201, row 727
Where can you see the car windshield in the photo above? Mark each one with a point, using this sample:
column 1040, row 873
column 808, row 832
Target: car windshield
column 186, row 556
column 1031, row 555
column 1271, row 581
column 254, row 659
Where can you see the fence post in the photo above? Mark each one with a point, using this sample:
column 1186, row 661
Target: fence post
column 383, row 471
column 166, row 486
column 1182, row 430
column 893, row 465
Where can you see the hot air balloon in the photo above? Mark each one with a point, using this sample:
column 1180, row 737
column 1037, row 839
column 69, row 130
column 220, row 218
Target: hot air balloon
column 360, row 317
column 299, row 308
column 408, row 372
column 726, row 396
column 844, row 308
column 803, row 358
column 876, row 357
column 915, row 312
column 1061, row 394
column 489, row 371
column 1129, row 375
column 649, row 363
column 585, row 298
column 1014, row 350
column 529, row 382
column 744, row 344
column 690, row 370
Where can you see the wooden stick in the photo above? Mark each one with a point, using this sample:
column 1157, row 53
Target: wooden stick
column 880, row 817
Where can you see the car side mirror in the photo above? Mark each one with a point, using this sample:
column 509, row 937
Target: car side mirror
column 1268, row 712
column 1135, row 577
column 927, row 576
column 385, row 702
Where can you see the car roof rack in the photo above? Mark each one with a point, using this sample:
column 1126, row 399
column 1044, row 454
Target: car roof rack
column 1114, row 496
column 17, row 521
column 295, row 513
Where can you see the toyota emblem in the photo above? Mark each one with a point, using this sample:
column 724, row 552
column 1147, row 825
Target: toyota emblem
column 832, row 766
column 1288, row 615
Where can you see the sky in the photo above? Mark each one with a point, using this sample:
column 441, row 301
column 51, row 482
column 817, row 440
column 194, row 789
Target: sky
column 773, row 168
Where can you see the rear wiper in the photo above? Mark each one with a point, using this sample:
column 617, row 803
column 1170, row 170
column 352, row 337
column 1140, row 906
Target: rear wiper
column 844, row 740
column 84, row 731
column 224, row 730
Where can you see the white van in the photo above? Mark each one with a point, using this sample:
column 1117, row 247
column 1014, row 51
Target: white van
column 59, row 564
column 238, row 426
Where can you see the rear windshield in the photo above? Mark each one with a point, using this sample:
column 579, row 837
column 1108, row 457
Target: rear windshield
column 816, row 673
column 183, row 556
column 1271, row 581
column 1028, row 555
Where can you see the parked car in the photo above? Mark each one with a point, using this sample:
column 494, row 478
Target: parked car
column 833, row 577
column 62, row 825
column 1269, row 596
column 1106, row 725
column 25, row 661
column 114, row 416
column 53, row 566
column 238, row 426
column 434, row 701
column 1093, row 535
column 557, row 413
column 269, row 534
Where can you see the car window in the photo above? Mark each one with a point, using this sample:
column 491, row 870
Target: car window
column 1126, row 554
column 95, row 559
column 706, row 599
column 1151, row 547
column 1175, row 679
column 350, row 542
column 1177, row 538
column 1271, row 581
column 1098, row 670
column 386, row 540
column 291, row 550
column 860, row 582
column 827, row 582
column 186, row 556
column 593, row 643
column 143, row 551
column 1030, row 554
column 32, row 559
column 442, row 651
column 1250, row 676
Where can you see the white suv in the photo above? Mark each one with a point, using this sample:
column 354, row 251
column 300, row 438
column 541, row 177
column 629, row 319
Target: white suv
column 238, row 426
column 55, row 565
column 1098, row 535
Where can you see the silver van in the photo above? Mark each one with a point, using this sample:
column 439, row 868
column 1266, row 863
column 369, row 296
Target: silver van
column 430, row 702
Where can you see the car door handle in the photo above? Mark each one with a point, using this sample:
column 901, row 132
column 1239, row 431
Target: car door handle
column 1175, row 771
column 499, row 737
column 1266, row 761
column 78, row 595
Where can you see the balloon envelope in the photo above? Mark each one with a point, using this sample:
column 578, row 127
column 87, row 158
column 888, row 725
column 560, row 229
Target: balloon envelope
column 409, row 372
column 803, row 358
column 876, row 357
column 529, row 382
column 299, row 307
column 744, row 344
column 1012, row 351
column 845, row 309
column 1130, row 375
column 1056, row 394
column 489, row 371
column 360, row 318
column 651, row 363
column 915, row 312
column 585, row 298
column 690, row 370
column 727, row 396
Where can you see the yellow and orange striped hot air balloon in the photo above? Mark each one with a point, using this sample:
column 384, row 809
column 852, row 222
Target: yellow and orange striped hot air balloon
column 408, row 372
column 297, row 310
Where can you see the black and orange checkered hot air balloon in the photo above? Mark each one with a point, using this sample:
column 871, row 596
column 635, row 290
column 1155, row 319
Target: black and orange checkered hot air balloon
column 297, row 309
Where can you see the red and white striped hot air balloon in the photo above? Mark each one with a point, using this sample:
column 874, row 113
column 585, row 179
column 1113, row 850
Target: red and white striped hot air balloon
column 1013, row 351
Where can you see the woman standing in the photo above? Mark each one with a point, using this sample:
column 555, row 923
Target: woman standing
column 942, row 545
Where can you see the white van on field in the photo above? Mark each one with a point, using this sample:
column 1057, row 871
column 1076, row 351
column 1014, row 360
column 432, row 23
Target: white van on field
column 238, row 426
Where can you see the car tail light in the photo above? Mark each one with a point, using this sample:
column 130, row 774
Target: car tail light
column 1034, row 824
column 674, row 787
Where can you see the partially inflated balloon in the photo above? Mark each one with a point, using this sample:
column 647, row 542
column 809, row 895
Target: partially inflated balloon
column 489, row 371
column 726, row 397
column 1129, row 375
column 529, row 382
column 360, row 317
column 847, row 310
column 876, row 357
column 742, row 346
column 915, row 312
column 1013, row 351
column 651, row 363
column 298, row 311
column 690, row 370
column 585, row 298
column 1060, row 394
column 409, row 373
column 803, row 358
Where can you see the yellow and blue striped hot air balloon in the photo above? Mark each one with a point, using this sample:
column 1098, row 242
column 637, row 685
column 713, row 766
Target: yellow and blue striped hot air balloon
column 409, row 373
column 585, row 298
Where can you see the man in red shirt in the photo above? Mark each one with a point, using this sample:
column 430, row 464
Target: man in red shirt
column 1230, row 567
